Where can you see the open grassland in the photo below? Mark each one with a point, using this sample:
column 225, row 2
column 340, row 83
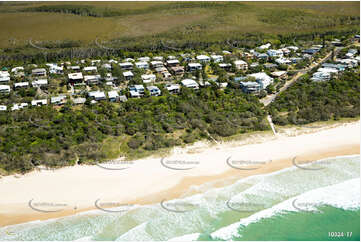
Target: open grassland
column 131, row 22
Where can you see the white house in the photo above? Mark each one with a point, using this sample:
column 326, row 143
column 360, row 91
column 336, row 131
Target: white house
column 265, row 46
column 90, row 69
column 75, row 77
column 144, row 59
column 136, row 90
column 40, row 83
column 173, row 88
column 126, row 66
column 148, row 78
column 97, row 95
column 173, row 62
column 17, row 69
column 262, row 78
column 38, row 72
column 128, row 75
column 21, row 85
column 4, row 89
column 275, row 53
column 203, row 58
column 154, row 90
column 190, row 83
column 158, row 58
column 283, row 61
column 4, row 79
column 241, row 65
column 39, row 102
column 58, row 100
column 113, row 96
column 18, row 106
column 142, row 65
column 92, row 79
column 156, row 64
column 217, row 58
column 194, row 66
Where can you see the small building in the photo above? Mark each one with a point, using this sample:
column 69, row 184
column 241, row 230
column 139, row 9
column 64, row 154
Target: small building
column 59, row 100
column 270, row 66
column 158, row 58
column 262, row 78
column 75, row 77
column 275, row 53
column 241, row 65
column 113, row 96
column 79, row 100
column 279, row 74
column 126, row 66
column 173, row 88
column 123, row 98
column 55, row 69
column 128, row 75
column 217, row 58
column 3, row 108
column 97, row 95
column 173, row 62
column 137, row 89
column 40, row 102
column 90, row 69
column 194, row 66
column 250, row 87
column 74, row 68
column 16, row 106
column 189, row 83
column 92, row 79
column 154, row 90
column 19, row 85
column 156, row 64
column 177, row 70
column 147, row 78
column 144, row 59
column 142, row 65
column 40, row 83
column 203, row 58
column 38, row 72
column 4, row 89
column 283, row 61
column 4, row 79
column 225, row 66
column 107, row 66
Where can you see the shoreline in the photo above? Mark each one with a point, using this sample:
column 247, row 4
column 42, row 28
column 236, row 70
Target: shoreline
column 148, row 183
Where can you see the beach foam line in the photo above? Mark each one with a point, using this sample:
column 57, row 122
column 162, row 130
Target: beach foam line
column 344, row 195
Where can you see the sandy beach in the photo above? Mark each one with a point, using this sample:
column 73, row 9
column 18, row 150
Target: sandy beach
column 48, row 194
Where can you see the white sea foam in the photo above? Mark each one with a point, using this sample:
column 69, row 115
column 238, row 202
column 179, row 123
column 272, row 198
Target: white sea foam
column 345, row 195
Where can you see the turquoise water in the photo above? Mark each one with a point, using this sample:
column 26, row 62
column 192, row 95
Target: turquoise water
column 292, row 204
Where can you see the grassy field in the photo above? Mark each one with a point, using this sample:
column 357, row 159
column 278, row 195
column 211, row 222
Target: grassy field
column 171, row 21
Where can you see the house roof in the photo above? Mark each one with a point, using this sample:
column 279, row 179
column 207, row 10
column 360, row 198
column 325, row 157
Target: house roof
column 113, row 94
column 77, row 75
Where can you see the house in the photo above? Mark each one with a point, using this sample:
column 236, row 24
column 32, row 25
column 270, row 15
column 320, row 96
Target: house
column 320, row 76
column 79, row 100
column 40, row 83
column 250, row 87
column 279, row 74
column 190, row 83
column 126, row 66
column 139, row 89
column 283, row 61
column 55, row 69
column 142, row 65
column 171, row 57
column 148, row 78
column 194, row 66
column 3, row 108
column 270, row 66
column 38, row 72
column 74, row 68
column 128, row 75
column 94, row 62
column 107, row 66
column 4, row 79
column 19, row 85
column 97, row 95
column 225, row 66
column 16, row 106
column 221, row 84
column 4, row 89
column 203, row 58
column 265, row 46
column 156, row 64
column 113, row 96
column 262, row 56
column 241, row 65
column 39, row 102
column 59, row 100
column 158, row 58
column 295, row 60
column 144, row 59
column 217, row 58
column 262, row 78
column 135, row 94
column 90, row 69
column 92, row 79
column 310, row 51
column 75, row 77
column 173, row 88
column 154, row 90
column 17, row 69
column 177, row 70
column 275, row 53
column 173, row 62
column 123, row 98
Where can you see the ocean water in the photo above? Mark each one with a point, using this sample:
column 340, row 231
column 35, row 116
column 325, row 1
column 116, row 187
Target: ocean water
column 291, row 204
